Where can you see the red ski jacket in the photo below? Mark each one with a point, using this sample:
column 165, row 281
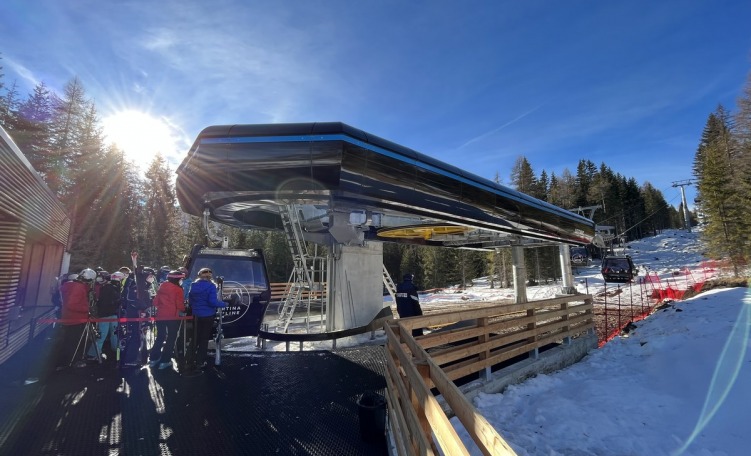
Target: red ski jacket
column 75, row 296
column 169, row 301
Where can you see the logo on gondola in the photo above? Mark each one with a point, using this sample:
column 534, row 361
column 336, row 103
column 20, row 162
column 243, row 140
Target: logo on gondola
column 239, row 302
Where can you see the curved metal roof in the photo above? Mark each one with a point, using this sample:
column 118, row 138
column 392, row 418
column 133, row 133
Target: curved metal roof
column 352, row 185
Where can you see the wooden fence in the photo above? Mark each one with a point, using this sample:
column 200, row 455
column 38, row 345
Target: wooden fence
column 279, row 291
column 470, row 341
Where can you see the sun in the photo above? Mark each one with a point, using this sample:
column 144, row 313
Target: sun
column 140, row 136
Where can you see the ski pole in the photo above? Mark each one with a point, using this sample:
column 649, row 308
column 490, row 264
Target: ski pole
column 218, row 340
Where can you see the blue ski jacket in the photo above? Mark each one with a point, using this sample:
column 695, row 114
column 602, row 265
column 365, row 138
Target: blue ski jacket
column 202, row 298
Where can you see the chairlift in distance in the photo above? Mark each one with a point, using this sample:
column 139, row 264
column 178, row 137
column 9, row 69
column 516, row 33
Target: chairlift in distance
column 618, row 269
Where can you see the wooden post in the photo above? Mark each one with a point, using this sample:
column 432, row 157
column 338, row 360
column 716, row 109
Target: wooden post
column 566, row 339
column 535, row 353
column 485, row 374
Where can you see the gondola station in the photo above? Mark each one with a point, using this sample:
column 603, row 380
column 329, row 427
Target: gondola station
column 334, row 185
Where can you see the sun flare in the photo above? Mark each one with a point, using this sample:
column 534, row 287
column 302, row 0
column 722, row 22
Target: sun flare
column 140, row 136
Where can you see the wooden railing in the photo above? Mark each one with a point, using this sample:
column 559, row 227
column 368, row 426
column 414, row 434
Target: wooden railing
column 279, row 291
column 480, row 338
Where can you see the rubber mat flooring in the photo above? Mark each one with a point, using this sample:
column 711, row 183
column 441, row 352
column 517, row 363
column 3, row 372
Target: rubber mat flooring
column 296, row 403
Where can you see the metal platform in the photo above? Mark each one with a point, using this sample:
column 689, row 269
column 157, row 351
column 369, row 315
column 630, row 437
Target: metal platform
column 297, row 403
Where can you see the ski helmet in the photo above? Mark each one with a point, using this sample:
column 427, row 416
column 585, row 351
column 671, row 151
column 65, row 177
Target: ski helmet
column 117, row 276
column 175, row 274
column 87, row 275
column 102, row 276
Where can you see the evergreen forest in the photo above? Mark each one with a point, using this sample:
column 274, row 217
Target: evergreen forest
column 115, row 207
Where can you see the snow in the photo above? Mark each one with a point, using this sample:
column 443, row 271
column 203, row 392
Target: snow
column 677, row 384
column 680, row 383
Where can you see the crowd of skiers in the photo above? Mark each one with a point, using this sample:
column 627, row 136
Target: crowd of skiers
column 119, row 308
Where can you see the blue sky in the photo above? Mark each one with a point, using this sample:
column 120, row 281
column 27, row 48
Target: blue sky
column 474, row 84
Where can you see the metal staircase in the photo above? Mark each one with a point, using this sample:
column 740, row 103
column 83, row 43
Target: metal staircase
column 389, row 284
column 308, row 278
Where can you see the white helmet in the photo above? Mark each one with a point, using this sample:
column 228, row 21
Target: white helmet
column 117, row 276
column 87, row 274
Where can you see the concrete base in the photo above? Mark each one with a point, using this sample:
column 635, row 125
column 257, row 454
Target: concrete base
column 355, row 286
column 546, row 362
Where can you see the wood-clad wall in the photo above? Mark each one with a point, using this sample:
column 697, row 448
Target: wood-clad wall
column 24, row 195
column 34, row 232
column 12, row 238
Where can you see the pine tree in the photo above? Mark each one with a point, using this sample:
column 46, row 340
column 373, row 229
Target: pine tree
column 585, row 172
column 278, row 257
column 743, row 162
column 87, row 189
column 118, row 203
column 523, row 177
column 66, row 155
column 562, row 190
column 656, row 208
column 32, row 133
column 719, row 196
column 9, row 104
column 543, row 187
column 161, row 215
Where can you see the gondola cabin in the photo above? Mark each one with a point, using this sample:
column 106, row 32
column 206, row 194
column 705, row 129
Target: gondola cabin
column 618, row 269
column 580, row 257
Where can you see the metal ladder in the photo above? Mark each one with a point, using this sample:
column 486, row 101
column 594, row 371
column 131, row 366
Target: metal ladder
column 300, row 279
column 389, row 284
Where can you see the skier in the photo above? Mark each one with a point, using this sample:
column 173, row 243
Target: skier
column 203, row 302
column 108, row 305
column 136, row 299
column 169, row 304
column 75, row 313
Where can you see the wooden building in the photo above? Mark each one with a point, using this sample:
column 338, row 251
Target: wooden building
column 34, row 236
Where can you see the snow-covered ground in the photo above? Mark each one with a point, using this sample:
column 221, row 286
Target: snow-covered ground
column 678, row 384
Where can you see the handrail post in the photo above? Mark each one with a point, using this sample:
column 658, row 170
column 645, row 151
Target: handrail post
column 423, row 368
column 485, row 354
column 534, row 353
column 567, row 339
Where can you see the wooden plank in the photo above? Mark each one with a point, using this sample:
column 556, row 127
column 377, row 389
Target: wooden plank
column 411, row 381
column 481, row 431
column 464, row 351
column 444, row 318
column 397, row 423
column 409, row 390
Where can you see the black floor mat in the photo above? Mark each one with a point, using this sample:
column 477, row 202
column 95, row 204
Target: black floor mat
column 297, row 403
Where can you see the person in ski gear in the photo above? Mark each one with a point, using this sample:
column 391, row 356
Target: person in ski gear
column 75, row 314
column 108, row 307
column 187, row 281
column 407, row 301
column 169, row 305
column 136, row 299
column 163, row 273
column 102, row 277
column 204, row 303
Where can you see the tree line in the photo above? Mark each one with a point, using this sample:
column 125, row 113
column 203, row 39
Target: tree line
column 722, row 166
column 114, row 209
